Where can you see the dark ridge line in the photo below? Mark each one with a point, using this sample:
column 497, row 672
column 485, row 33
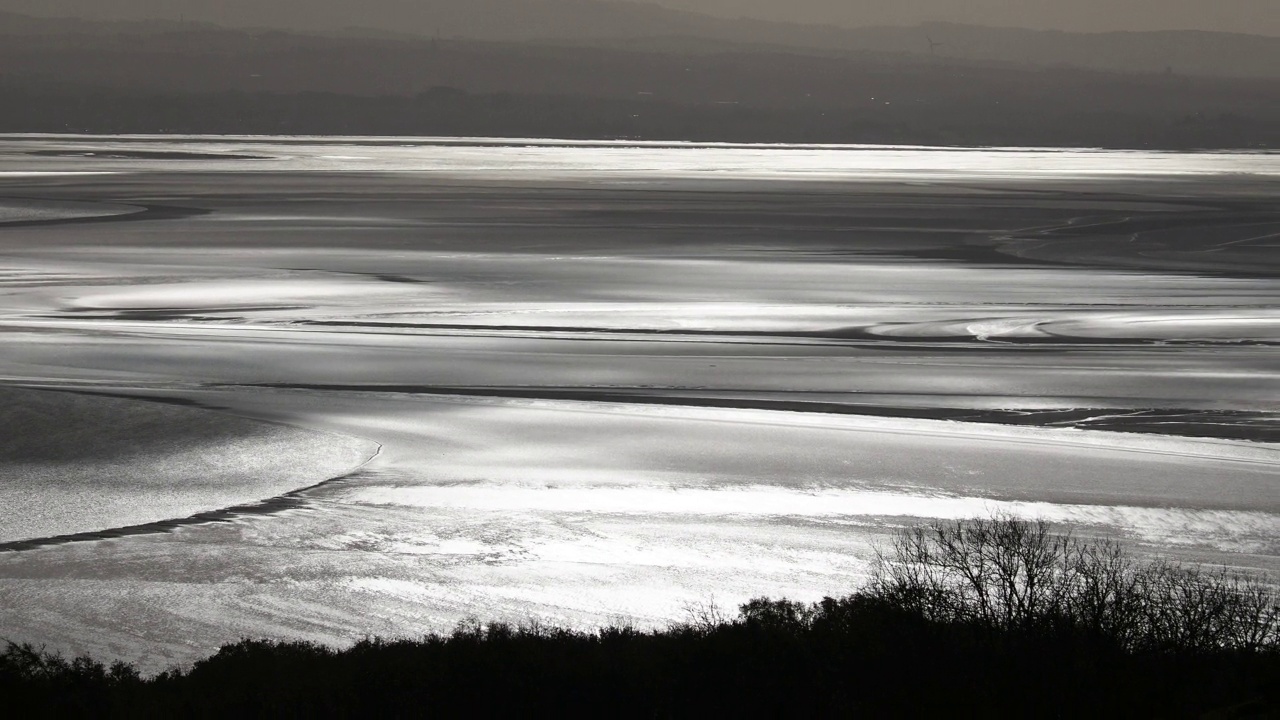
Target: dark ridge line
column 1121, row 225
column 848, row 334
column 163, row 400
column 148, row 212
column 384, row 277
column 167, row 400
column 505, row 141
column 1023, row 418
column 1001, row 249
column 1006, row 255
column 145, row 155
column 405, row 279
column 294, row 500
column 161, row 314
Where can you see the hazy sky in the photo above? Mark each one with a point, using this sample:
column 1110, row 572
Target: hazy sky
column 1254, row 16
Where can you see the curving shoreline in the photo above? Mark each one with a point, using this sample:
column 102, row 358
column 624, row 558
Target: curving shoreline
column 72, row 460
column 289, row 501
column 132, row 213
column 1259, row 426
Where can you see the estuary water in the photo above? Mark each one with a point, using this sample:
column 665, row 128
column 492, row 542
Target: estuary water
column 322, row 388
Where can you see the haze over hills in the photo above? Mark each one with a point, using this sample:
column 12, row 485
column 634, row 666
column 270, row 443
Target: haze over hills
column 1237, row 16
column 1234, row 16
column 650, row 26
column 169, row 76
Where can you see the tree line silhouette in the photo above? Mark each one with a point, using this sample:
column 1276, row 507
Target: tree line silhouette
column 985, row 617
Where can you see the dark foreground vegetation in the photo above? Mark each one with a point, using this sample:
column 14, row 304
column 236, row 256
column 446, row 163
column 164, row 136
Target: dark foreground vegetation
column 983, row 618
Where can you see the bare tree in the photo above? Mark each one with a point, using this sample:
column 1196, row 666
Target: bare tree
column 1005, row 573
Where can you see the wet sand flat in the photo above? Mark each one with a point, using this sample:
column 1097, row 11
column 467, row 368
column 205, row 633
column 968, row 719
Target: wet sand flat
column 77, row 464
column 603, row 380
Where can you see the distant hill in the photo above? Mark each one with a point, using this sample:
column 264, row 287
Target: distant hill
column 1183, row 52
column 188, row 77
column 647, row 26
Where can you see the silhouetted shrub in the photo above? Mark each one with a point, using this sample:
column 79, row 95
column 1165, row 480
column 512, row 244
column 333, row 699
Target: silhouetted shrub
column 1009, row 575
column 989, row 618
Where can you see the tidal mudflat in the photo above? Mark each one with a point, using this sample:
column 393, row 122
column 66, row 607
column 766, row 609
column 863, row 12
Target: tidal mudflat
column 325, row 388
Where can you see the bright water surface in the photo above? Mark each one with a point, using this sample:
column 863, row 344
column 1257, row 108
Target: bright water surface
column 596, row 381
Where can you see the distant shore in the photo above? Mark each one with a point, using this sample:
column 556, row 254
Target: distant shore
column 1021, row 118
